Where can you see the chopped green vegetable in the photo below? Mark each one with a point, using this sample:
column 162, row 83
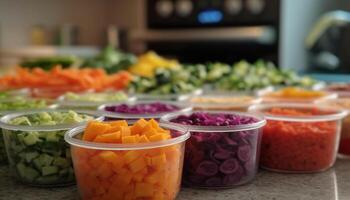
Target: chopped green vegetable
column 42, row 157
column 111, row 60
column 49, row 62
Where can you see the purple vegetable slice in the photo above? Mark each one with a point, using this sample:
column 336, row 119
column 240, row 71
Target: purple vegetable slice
column 222, row 154
column 214, row 181
column 234, row 178
column 244, row 153
column 207, row 168
column 229, row 166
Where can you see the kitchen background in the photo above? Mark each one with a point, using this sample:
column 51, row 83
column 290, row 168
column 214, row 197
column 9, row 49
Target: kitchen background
column 192, row 31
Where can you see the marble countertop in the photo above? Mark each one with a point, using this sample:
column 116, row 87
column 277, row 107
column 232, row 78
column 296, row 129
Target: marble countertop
column 333, row 184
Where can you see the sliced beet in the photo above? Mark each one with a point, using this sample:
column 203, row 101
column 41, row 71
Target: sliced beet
column 207, row 168
column 244, row 153
column 229, row 166
column 235, row 178
column 213, row 182
column 222, row 155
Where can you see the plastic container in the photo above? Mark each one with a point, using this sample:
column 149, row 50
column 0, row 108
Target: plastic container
column 344, row 145
column 116, row 115
column 38, row 155
column 88, row 105
column 14, row 108
column 223, row 102
column 299, row 138
column 295, row 95
column 342, row 89
column 121, row 183
column 15, row 92
column 221, row 156
column 55, row 92
column 168, row 97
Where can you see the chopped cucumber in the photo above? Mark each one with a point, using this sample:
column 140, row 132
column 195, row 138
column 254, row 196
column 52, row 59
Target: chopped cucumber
column 30, row 139
column 49, row 170
column 42, row 157
column 30, row 156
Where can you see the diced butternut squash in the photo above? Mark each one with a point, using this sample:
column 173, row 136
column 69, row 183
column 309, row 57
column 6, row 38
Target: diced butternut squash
column 143, row 190
column 151, row 174
column 95, row 128
column 108, row 137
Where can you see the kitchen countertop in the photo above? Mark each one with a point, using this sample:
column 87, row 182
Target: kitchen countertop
column 333, row 184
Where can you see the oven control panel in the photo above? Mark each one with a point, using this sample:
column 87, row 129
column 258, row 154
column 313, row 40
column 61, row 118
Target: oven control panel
column 211, row 13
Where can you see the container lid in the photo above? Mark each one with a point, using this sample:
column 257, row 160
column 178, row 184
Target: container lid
column 342, row 103
column 5, row 119
column 168, row 97
column 70, row 137
column 330, row 113
column 223, row 101
column 197, row 128
column 63, row 101
column 183, row 107
column 271, row 95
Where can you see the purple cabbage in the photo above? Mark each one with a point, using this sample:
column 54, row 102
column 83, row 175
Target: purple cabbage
column 143, row 108
column 210, row 119
column 219, row 159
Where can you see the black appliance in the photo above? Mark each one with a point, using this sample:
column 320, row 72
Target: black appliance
column 213, row 30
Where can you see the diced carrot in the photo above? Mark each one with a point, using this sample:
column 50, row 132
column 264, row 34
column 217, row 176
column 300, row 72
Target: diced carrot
column 125, row 131
column 137, row 165
column 143, row 139
column 157, row 137
column 123, row 123
column 108, row 138
column 131, row 156
column 129, row 139
column 143, row 190
column 93, row 129
column 138, row 126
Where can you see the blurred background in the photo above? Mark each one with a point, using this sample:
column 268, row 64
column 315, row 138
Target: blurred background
column 308, row 36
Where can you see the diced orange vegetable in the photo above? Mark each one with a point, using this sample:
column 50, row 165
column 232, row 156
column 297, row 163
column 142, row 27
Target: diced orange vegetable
column 93, row 129
column 108, row 138
column 128, row 174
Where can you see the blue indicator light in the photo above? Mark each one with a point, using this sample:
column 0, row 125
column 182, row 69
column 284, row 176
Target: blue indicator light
column 210, row 17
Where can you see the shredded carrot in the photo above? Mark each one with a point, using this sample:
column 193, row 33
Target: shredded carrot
column 96, row 79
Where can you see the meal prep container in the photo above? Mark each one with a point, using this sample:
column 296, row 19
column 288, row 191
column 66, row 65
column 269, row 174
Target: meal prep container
column 223, row 102
column 88, row 105
column 126, row 171
column 342, row 89
column 299, row 138
column 55, row 92
column 3, row 155
column 343, row 103
column 168, row 97
column 38, row 155
column 221, row 156
column 127, row 116
column 271, row 97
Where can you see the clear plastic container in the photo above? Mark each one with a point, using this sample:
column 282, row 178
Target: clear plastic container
column 223, row 102
column 87, row 105
column 299, row 138
column 16, row 92
column 343, row 103
column 3, row 155
column 55, row 92
column 104, row 171
column 342, row 89
column 38, row 155
column 116, row 115
column 221, row 156
column 295, row 95
column 168, row 97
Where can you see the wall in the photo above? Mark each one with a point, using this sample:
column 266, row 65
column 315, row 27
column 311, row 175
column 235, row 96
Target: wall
column 18, row 16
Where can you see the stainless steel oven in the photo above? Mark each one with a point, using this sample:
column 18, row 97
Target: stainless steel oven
column 212, row 30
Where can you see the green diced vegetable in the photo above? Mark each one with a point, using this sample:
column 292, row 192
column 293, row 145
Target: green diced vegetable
column 49, row 170
column 31, row 139
column 30, row 156
column 46, row 159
